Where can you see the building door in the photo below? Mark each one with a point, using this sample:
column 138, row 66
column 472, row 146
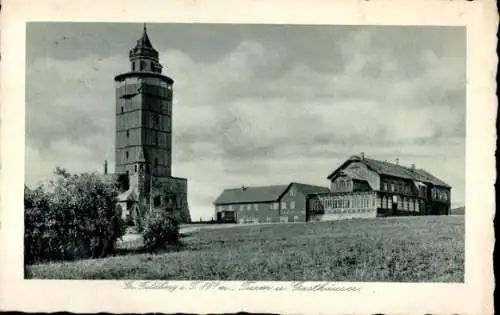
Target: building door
column 394, row 208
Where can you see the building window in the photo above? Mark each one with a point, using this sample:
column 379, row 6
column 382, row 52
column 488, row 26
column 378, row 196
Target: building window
column 283, row 205
column 256, row 207
column 128, row 133
column 135, row 168
column 230, row 208
column 157, row 201
column 249, row 207
column 292, row 204
column 155, row 118
column 292, row 192
column 156, row 162
column 126, row 155
column 276, row 206
column 242, row 207
column 122, row 110
column 143, row 65
column 392, row 187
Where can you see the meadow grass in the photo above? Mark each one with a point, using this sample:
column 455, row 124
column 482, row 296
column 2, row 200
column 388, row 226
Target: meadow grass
column 400, row 249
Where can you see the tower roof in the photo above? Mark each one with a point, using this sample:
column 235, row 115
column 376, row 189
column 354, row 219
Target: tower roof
column 144, row 41
column 143, row 48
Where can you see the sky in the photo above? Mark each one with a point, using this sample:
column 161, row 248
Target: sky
column 254, row 104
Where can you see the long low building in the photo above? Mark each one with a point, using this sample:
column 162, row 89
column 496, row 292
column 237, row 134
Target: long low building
column 276, row 203
column 359, row 188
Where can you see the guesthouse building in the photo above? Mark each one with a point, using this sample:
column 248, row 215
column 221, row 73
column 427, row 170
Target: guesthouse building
column 362, row 188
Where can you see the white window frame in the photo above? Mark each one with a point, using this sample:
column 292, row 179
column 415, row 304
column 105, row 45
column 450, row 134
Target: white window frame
column 292, row 205
column 283, row 205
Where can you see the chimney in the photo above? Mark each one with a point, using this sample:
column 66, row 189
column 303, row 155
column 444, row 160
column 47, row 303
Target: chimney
column 362, row 155
column 413, row 167
column 105, row 167
column 397, row 161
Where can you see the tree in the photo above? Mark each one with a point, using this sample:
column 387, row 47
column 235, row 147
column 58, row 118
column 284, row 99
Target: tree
column 76, row 217
column 161, row 228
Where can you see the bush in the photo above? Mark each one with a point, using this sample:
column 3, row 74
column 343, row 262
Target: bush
column 76, row 217
column 160, row 229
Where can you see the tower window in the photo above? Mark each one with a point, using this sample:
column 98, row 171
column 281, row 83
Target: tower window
column 156, row 162
column 133, row 66
column 122, row 109
column 143, row 65
column 135, row 168
column 126, row 155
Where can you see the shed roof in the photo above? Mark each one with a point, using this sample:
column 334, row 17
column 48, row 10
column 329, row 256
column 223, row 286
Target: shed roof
column 126, row 196
column 310, row 189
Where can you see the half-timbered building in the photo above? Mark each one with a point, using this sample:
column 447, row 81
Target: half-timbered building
column 362, row 188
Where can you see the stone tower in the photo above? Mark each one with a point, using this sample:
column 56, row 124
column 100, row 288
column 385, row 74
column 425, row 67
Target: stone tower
column 144, row 114
column 143, row 139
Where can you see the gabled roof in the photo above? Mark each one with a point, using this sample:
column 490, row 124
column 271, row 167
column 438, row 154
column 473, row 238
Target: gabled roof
column 395, row 170
column 251, row 194
column 356, row 176
column 310, row 189
column 264, row 193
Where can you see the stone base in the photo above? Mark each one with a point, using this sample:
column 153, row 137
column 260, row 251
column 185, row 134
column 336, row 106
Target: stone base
column 173, row 192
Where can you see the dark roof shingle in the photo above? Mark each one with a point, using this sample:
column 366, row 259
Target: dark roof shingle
column 264, row 193
column 250, row 194
column 311, row 189
column 396, row 170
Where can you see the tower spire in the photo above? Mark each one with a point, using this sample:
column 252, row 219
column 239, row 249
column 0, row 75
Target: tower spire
column 145, row 29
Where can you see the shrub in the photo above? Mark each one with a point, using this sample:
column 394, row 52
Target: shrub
column 160, row 229
column 76, row 217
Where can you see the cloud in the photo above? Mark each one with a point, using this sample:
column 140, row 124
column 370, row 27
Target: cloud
column 251, row 117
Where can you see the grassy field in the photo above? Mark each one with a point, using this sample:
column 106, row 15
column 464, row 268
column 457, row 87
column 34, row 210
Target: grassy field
column 404, row 249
